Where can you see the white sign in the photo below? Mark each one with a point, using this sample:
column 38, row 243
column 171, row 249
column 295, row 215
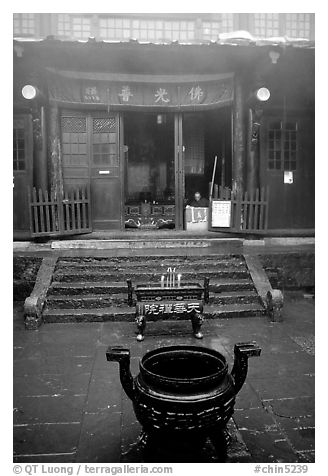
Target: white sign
column 288, row 176
column 221, row 213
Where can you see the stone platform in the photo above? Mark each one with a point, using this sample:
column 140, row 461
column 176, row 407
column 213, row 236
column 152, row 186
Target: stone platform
column 69, row 405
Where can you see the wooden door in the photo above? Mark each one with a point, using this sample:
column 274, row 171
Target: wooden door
column 105, row 172
column 288, row 146
column 22, row 170
column 179, row 172
column 91, row 156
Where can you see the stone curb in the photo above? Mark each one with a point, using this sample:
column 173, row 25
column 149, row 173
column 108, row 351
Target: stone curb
column 272, row 299
column 33, row 305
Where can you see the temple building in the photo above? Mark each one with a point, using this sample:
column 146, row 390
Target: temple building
column 120, row 118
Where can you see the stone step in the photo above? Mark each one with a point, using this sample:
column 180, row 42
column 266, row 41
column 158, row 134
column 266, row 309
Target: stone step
column 240, row 296
column 87, row 301
column 154, row 266
column 184, row 244
column 143, row 276
column 137, row 261
column 92, row 301
column 86, row 287
column 159, row 256
column 126, row 313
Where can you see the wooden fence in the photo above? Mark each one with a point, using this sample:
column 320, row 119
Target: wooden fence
column 249, row 210
column 52, row 214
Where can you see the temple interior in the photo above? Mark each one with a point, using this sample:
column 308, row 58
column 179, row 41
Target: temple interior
column 149, row 154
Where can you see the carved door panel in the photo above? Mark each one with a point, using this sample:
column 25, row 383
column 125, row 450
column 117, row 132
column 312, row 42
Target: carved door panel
column 91, row 156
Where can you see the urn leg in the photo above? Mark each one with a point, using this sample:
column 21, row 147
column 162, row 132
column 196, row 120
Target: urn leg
column 197, row 321
column 141, row 325
column 173, row 448
column 220, row 439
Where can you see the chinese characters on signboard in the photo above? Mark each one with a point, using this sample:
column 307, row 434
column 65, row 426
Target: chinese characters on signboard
column 91, row 94
column 172, row 308
column 161, row 95
column 221, row 213
column 149, row 94
column 137, row 90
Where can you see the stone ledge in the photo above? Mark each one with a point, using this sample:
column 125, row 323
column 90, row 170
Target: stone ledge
column 146, row 243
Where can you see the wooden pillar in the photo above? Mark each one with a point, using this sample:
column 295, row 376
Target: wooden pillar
column 238, row 160
column 40, row 149
column 55, row 166
column 252, row 151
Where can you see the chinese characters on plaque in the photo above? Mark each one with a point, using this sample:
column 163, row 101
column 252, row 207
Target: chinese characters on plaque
column 172, row 308
column 161, row 95
column 221, row 213
column 91, row 94
column 125, row 94
column 196, row 93
column 149, row 94
column 173, row 92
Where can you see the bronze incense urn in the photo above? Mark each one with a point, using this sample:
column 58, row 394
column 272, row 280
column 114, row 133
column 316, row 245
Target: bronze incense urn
column 184, row 395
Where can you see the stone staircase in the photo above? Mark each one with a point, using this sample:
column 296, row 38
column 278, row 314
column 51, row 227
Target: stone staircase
column 95, row 289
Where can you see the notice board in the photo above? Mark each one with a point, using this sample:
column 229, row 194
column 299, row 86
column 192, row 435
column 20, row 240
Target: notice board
column 221, row 213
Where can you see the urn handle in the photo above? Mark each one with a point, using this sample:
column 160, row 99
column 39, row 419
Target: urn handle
column 242, row 352
column 122, row 356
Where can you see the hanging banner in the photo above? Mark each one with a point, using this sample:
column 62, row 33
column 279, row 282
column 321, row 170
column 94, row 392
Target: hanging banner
column 184, row 92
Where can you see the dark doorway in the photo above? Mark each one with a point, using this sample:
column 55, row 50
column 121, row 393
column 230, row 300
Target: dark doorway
column 149, row 170
column 206, row 135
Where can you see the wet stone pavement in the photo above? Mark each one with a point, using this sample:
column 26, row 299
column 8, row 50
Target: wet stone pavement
column 69, row 405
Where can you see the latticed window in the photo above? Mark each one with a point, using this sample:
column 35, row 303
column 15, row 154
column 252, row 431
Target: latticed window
column 81, row 27
column 104, row 141
column 72, row 26
column 298, row 25
column 24, row 24
column 64, row 25
column 227, row 22
column 266, row 24
column 114, row 28
column 212, row 29
column 282, row 145
column 147, row 30
column 74, row 138
column 178, row 30
column 19, row 147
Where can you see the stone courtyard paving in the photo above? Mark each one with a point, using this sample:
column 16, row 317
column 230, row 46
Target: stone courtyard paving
column 69, row 405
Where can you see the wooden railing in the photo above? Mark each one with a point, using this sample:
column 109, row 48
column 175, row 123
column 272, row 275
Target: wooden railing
column 249, row 210
column 53, row 214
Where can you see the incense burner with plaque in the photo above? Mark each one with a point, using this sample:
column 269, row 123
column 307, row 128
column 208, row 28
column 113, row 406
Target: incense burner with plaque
column 169, row 298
